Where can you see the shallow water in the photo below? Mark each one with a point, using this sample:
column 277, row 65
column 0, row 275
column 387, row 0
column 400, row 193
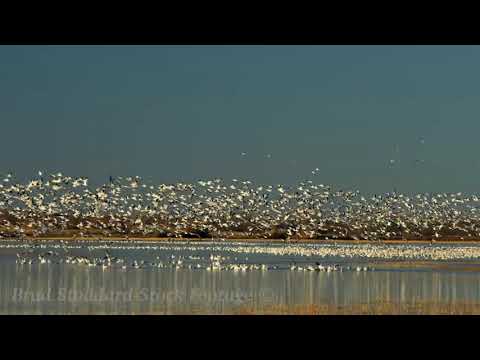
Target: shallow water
column 60, row 288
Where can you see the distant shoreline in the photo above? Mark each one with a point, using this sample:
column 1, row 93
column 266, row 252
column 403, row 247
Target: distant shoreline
column 242, row 240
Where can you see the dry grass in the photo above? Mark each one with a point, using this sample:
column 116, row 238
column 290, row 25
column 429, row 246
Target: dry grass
column 381, row 308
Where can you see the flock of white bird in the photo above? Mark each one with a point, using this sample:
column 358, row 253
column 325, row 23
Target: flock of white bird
column 211, row 262
column 128, row 206
column 232, row 256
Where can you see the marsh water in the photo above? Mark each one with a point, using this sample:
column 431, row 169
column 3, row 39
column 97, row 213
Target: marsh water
column 58, row 287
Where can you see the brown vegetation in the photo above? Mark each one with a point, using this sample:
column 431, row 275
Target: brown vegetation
column 379, row 308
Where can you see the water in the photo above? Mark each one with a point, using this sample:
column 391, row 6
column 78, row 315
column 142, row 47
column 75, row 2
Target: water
column 61, row 288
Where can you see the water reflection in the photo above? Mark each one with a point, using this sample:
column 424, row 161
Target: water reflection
column 67, row 289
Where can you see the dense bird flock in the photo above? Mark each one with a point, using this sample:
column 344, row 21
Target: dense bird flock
column 211, row 262
column 129, row 207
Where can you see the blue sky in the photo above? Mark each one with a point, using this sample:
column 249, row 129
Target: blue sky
column 181, row 113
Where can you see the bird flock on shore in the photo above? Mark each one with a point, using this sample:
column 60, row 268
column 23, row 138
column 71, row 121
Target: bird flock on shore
column 209, row 263
column 229, row 255
column 129, row 206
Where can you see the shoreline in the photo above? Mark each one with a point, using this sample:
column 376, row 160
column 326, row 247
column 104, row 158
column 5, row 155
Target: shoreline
column 246, row 240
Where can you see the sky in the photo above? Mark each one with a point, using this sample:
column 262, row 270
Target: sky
column 370, row 118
